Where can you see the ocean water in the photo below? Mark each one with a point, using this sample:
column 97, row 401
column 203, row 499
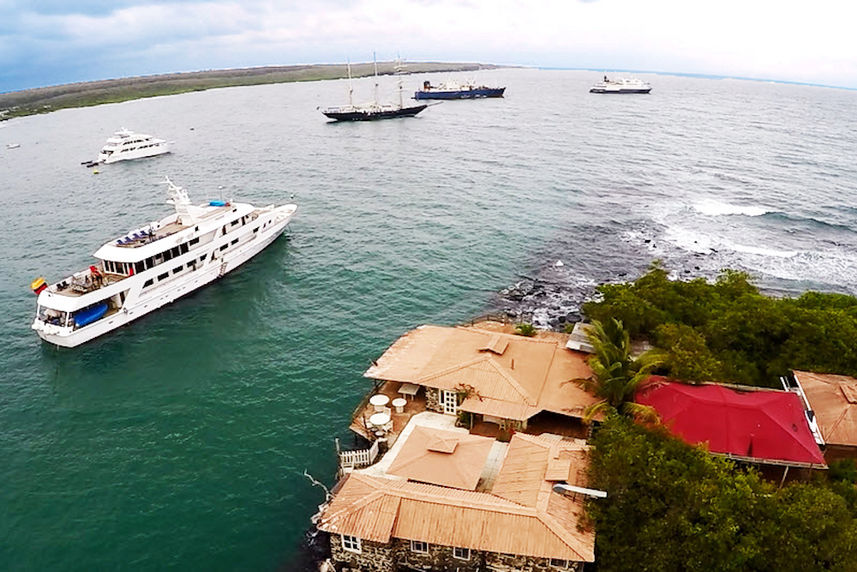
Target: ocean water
column 181, row 440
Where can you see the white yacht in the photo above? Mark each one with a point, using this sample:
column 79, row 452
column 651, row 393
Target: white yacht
column 621, row 85
column 125, row 144
column 154, row 265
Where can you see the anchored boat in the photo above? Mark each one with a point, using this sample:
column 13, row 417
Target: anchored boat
column 371, row 111
column 454, row 90
column 621, row 85
column 125, row 144
column 154, row 265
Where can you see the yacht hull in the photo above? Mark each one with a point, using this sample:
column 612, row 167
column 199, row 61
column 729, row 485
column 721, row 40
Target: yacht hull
column 374, row 115
column 169, row 293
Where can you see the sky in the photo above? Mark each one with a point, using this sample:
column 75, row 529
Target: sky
column 50, row 42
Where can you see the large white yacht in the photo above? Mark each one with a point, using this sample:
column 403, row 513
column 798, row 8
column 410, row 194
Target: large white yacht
column 155, row 265
column 621, row 85
column 125, row 144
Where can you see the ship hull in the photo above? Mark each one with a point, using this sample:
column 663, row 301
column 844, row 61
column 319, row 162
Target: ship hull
column 479, row 93
column 374, row 115
column 620, row 91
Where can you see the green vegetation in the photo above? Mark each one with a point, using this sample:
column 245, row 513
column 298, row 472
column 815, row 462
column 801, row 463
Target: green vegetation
column 729, row 331
column 47, row 99
column 615, row 374
column 525, row 329
column 675, row 507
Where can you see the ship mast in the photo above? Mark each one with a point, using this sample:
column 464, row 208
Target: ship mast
column 376, row 77
column 399, row 69
column 350, row 86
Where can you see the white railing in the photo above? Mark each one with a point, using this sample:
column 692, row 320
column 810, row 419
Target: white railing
column 355, row 459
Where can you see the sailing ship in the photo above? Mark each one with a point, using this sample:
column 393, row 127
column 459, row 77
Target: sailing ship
column 371, row 111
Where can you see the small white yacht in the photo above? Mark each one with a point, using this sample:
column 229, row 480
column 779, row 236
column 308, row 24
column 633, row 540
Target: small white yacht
column 621, row 85
column 154, row 265
column 125, row 144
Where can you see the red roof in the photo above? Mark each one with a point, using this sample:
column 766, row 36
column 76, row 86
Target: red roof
column 760, row 425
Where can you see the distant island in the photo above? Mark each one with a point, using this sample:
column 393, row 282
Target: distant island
column 85, row 94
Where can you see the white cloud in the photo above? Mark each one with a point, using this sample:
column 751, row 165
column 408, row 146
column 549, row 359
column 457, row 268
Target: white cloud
column 797, row 41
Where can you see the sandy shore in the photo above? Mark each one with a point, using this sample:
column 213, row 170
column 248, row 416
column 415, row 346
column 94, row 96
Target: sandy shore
column 47, row 99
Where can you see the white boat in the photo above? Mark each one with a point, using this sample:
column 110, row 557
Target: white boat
column 154, row 265
column 621, row 85
column 125, row 144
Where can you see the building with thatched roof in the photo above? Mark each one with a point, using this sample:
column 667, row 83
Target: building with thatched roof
column 441, row 506
column 488, row 373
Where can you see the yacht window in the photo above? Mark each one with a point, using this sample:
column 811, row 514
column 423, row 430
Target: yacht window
column 163, row 276
column 184, row 248
column 234, row 241
column 194, row 241
column 178, row 269
column 202, row 258
column 234, row 222
column 139, row 266
column 150, row 262
column 148, row 283
column 175, row 251
column 224, row 247
column 256, row 229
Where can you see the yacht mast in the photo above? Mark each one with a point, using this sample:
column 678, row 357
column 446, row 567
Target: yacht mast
column 376, row 77
column 399, row 69
column 350, row 86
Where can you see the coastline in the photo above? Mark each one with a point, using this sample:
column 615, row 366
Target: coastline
column 86, row 94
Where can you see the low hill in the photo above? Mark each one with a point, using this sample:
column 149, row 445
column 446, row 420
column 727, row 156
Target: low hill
column 47, row 99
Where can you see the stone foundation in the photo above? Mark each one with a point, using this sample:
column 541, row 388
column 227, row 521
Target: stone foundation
column 397, row 555
column 373, row 556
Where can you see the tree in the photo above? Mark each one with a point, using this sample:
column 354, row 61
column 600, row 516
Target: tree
column 616, row 374
column 671, row 506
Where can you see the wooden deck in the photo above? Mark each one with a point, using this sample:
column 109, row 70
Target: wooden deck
column 360, row 421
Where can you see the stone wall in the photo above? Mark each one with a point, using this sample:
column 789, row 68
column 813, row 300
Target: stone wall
column 433, row 399
column 373, row 557
column 512, row 562
column 397, row 555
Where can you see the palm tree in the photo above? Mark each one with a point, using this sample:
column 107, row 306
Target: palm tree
column 616, row 374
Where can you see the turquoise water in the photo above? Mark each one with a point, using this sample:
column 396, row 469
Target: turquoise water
column 180, row 441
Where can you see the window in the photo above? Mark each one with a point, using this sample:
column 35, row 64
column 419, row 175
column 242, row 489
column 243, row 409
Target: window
column 183, row 248
column 351, row 543
column 139, row 267
column 202, row 258
column 234, row 241
column 148, row 283
column 194, row 241
column 150, row 262
column 418, row 546
column 178, row 269
column 163, row 276
column 461, row 553
column 224, row 247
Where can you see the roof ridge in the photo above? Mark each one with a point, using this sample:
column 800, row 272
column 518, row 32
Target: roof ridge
column 450, row 369
column 528, row 398
column 562, row 533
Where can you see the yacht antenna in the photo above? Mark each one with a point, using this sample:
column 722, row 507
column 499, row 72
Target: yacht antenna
column 376, row 77
column 350, row 86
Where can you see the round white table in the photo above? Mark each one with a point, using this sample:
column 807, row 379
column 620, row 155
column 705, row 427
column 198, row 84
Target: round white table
column 379, row 419
column 399, row 403
column 379, row 400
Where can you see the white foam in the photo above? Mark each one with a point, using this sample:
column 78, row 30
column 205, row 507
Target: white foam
column 711, row 207
column 762, row 251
